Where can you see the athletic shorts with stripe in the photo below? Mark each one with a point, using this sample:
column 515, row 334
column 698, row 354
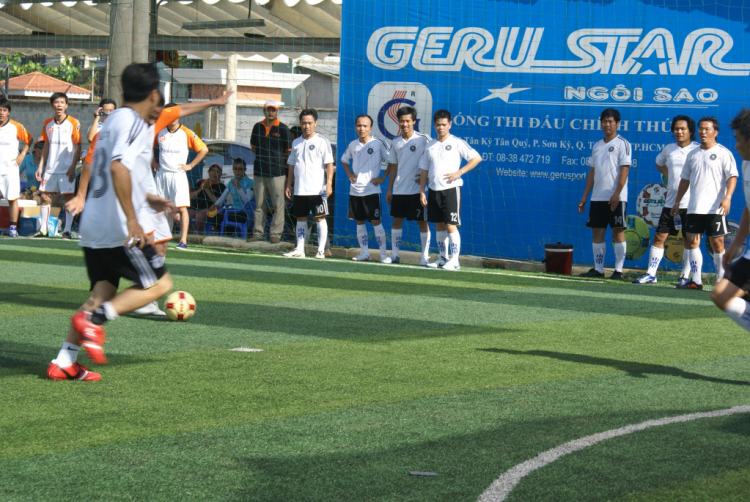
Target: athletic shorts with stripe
column 600, row 214
column 364, row 207
column 409, row 207
column 739, row 274
column 303, row 205
column 57, row 183
column 444, row 206
column 162, row 232
column 141, row 266
column 713, row 225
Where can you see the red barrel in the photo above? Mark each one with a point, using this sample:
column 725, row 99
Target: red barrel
column 558, row 258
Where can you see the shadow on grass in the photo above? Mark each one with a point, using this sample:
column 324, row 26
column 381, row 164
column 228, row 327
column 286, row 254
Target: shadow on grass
column 632, row 368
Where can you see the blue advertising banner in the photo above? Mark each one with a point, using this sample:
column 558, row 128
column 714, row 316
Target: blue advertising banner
column 526, row 82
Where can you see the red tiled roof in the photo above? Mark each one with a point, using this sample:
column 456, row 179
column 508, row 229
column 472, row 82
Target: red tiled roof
column 37, row 81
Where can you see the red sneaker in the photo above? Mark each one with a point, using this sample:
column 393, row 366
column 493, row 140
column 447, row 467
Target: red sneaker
column 73, row 372
column 91, row 336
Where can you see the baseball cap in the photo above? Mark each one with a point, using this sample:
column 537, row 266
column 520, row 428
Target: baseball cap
column 271, row 103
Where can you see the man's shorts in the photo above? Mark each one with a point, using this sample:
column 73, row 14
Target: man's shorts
column 162, row 232
column 713, row 225
column 444, row 206
column 303, row 205
column 409, row 207
column 57, row 183
column 601, row 215
column 365, row 207
column 666, row 221
column 739, row 274
column 10, row 185
column 141, row 266
column 173, row 186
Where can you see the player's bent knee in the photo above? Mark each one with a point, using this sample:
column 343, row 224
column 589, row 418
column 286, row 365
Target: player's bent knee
column 723, row 293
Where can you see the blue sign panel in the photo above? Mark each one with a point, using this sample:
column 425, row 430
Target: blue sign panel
column 526, row 82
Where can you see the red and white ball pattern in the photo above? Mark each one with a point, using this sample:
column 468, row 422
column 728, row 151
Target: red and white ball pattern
column 180, row 306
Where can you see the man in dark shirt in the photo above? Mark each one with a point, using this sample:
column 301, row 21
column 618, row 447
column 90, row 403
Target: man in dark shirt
column 271, row 141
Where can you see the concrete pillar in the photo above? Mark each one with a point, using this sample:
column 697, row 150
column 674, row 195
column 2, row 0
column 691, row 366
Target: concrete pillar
column 141, row 30
column 120, row 45
column 230, row 109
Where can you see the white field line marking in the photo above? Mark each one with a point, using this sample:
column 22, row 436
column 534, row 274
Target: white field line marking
column 502, row 486
column 246, row 349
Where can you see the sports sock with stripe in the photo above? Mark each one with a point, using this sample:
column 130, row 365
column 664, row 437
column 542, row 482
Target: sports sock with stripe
column 396, row 234
column 654, row 258
column 600, row 250
column 380, row 238
column 322, row 235
column 68, row 355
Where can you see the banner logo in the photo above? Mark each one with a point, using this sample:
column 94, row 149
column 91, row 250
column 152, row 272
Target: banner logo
column 386, row 98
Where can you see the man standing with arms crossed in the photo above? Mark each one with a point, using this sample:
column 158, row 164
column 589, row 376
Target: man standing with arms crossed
column 710, row 173
column 403, row 187
column 57, row 169
column 311, row 181
column 441, row 163
column 271, row 142
column 608, row 178
column 171, row 178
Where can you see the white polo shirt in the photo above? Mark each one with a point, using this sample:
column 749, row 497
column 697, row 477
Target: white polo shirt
column 365, row 160
column 708, row 172
column 444, row 157
column 673, row 156
column 309, row 158
column 606, row 159
column 174, row 147
column 406, row 154
column 62, row 139
column 10, row 134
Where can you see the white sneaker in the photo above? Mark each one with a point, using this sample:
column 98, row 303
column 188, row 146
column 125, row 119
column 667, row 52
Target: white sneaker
column 391, row 260
column 320, row 255
column 362, row 257
column 452, row 265
column 438, row 264
column 295, row 253
column 150, row 309
column 424, row 262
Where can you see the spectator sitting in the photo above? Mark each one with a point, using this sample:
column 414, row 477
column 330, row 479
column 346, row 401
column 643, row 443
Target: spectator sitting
column 241, row 191
column 28, row 166
column 203, row 195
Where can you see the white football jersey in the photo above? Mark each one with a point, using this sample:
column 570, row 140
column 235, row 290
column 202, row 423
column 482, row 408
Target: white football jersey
column 174, row 147
column 309, row 158
column 62, row 139
column 673, row 156
column 606, row 159
column 10, row 133
column 365, row 160
column 128, row 138
column 406, row 154
column 444, row 157
column 708, row 172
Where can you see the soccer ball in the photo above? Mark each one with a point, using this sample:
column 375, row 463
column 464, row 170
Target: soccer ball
column 650, row 203
column 180, row 306
column 673, row 247
column 637, row 237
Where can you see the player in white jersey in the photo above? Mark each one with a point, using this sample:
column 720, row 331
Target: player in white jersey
column 10, row 184
column 366, row 155
column 403, row 186
column 607, row 181
column 729, row 292
column 310, row 168
column 710, row 173
column 57, row 169
column 670, row 163
column 441, row 165
column 174, row 142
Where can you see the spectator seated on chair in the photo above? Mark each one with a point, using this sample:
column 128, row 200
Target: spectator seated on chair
column 240, row 189
column 203, row 195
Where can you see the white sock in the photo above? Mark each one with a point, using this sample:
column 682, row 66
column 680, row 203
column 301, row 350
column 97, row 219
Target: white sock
column 301, row 233
column 380, row 238
column 322, row 235
column 620, row 249
column 68, row 221
column 109, row 311
column 600, row 249
column 455, row 242
column 68, row 354
column 718, row 263
column 364, row 247
column 696, row 264
column 654, row 258
column 685, row 263
column 738, row 310
column 442, row 243
column 396, row 234
column 425, row 236
column 45, row 219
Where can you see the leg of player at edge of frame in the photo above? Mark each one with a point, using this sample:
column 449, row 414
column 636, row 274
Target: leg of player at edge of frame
column 728, row 294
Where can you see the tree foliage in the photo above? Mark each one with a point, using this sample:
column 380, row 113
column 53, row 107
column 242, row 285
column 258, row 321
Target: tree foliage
column 20, row 64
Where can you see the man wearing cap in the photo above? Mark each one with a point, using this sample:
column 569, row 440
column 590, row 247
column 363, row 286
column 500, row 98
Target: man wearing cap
column 271, row 142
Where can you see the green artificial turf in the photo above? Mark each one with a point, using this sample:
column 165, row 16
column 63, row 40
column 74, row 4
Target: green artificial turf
column 367, row 372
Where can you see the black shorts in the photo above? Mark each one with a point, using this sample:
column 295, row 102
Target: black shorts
column 142, row 266
column 303, row 205
column 600, row 215
column 409, row 207
column 666, row 221
column 713, row 225
column 444, row 206
column 739, row 274
column 364, row 207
